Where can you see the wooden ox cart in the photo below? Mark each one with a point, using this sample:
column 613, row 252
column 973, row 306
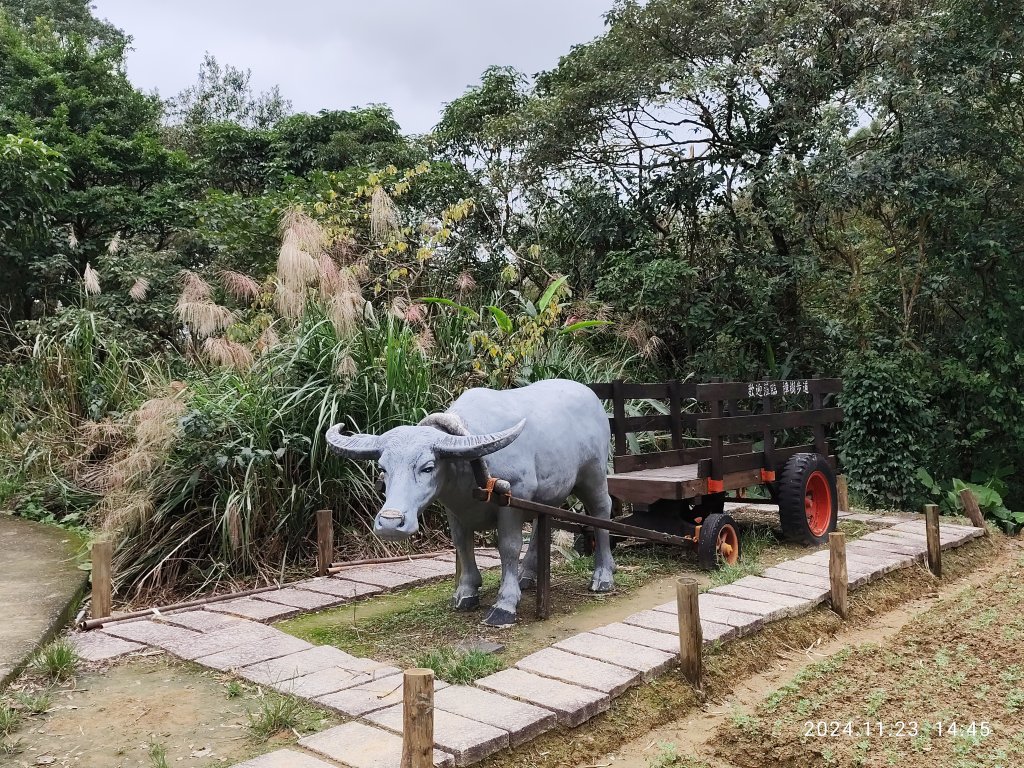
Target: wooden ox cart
column 677, row 493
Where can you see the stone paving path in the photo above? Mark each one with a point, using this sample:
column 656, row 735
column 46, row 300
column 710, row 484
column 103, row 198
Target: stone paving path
column 565, row 684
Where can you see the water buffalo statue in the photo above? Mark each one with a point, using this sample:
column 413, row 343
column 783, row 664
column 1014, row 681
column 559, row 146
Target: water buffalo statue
column 548, row 440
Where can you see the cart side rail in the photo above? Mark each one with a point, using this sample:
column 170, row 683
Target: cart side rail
column 724, row 419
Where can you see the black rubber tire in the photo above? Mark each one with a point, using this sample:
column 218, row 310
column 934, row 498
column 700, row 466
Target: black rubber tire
column 707, row 546
column 792, row 492
column 584, row 544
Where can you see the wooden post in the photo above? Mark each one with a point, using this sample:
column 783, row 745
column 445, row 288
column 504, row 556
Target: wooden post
column 542, row 530
column 691, row 638
column 324, row 541
column 931, row 522
column 418, row 718
column 844, row 493
column 972, row 509
column 102, row 552
column 837, row 575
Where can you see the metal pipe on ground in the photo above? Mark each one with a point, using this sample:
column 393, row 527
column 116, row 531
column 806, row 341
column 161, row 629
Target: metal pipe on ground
column 336, row 567
column 155, row 611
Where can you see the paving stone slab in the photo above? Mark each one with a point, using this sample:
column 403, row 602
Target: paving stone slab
column 332, row 585
column 295, row 665
column 891, row 545
column 945, row 542
column 816, row 579
column 571, row 704
column 208, row 643
column 649, row 638
column 858, row 517
column 257, row 610
column 99, row 646
column 710, row 601
column 866, row 551
column 468, row 741
column 788, row 604
column 647, row 661
column 482, row 560
column 877, row 564
column 887, row 520
column 323, row 682
column 522, row 721
column 359, row 745
column 579, row 670
column 371, row 696
column 376, row 575
column 248, row 654
column 200, row 620
column 712, row 609
column 815, row 593
column 424, row 569
column 305, row 599
column 150, row 632
column 857, row 576
column 284, row 758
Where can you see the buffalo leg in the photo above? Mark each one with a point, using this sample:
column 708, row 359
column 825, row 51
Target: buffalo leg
column 593, row 492
column 510, row 546
column 528, row 567
column 467, row 592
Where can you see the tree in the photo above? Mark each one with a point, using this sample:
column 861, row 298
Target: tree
column 32, row 177
column 224, row 94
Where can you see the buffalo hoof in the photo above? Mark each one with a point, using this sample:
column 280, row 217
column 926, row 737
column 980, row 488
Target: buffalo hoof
column 600, row 585
column 527, row 582
column 467, row 603
column 500, row 618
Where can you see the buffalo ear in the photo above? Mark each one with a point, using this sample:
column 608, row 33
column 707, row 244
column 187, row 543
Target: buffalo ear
column 353, row 446
column 475, row 446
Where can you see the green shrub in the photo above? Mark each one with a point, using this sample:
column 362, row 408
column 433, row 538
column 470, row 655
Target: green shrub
column 885, row 436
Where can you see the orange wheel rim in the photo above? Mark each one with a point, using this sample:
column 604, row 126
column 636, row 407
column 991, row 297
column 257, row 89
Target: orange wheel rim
column 818, row 503
column 728, row 545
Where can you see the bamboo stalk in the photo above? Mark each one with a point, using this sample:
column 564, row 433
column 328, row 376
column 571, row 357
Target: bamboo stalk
column 931, row 521
column 418, row 718
column 838, row 577
column 102, row 577
column 691, row 637
column 324, row 541
column 972, row 509
column 843, row 492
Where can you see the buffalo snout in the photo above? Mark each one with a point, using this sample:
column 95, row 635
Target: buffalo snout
column 394, row 525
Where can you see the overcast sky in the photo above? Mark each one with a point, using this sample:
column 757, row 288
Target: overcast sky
column 413, row 55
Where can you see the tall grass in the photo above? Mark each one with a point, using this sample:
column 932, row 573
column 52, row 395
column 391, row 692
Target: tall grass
column 207, row 461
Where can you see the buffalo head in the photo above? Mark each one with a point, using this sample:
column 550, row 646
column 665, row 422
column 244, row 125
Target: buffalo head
column 413, row 463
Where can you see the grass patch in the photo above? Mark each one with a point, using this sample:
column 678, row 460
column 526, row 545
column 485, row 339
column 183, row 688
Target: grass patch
column 405, row 627
column 10, row 718
column 157, row 756
column 34, row 703
column 459, row 667
column 233, row 690
column 57, row 661
column 276, row 713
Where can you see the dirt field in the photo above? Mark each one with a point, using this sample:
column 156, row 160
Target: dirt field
column 877, row 691
column 130, row 714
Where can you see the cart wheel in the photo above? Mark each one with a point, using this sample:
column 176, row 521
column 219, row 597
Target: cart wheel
column 808, row 502
column 719, row 542
column 584, row 544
